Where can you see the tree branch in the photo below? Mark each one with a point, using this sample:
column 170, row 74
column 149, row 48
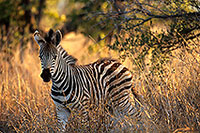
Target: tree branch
column 163, row 17
column 197, row 14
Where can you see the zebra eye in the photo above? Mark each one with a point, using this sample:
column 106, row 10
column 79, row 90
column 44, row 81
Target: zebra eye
column 54, row 57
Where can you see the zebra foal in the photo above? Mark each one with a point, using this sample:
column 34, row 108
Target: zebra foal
column 75, row 87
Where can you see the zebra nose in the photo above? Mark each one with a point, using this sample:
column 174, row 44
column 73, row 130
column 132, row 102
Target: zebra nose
column 46, row 75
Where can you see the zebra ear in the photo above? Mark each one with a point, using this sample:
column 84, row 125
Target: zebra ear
column 40, row 41
column 49, row 36
column 50, row 33
column 58, row 37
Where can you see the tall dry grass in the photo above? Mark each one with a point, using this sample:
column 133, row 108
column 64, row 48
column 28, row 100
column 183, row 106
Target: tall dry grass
column 171, row 98
column 25, row 102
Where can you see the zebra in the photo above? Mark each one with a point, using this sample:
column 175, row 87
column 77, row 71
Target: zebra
column 75, row 87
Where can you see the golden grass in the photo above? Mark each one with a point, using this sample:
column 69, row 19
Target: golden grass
column 170, row 98
column 25, row 101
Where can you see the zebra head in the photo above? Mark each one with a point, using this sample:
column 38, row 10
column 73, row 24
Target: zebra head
column 48, row 51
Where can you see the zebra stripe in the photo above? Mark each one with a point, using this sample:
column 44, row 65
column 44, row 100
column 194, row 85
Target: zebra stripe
column 77, row 86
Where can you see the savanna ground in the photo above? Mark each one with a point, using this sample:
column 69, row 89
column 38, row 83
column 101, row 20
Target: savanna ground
column 171, row 98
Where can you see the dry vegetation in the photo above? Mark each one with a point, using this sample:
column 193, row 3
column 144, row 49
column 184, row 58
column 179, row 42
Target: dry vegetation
column 171, row 98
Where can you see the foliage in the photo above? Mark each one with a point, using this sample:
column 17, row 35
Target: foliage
column 171, row 99
column 79, row 16
column 140, row 29
column 18, row 19
column 161, row 38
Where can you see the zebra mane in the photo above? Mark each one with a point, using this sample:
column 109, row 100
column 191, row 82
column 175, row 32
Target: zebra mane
column 55, row 38
column 68, row 58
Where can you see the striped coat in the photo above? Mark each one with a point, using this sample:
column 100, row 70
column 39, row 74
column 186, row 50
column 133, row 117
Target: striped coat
column 75, row 87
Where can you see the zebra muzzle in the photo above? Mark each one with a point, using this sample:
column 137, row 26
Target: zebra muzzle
column 46, row 75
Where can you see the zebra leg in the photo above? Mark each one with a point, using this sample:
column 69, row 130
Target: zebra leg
column 132, row 108
column 63, row 114
column 126, row 106
column 85, row 118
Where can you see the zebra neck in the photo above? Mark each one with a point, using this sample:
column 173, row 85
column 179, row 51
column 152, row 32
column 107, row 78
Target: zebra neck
column 63, row 76
column 66, row 57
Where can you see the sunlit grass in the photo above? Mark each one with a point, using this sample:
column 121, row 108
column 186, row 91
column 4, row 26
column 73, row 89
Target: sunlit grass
column 171, row 99
column 25, row 104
